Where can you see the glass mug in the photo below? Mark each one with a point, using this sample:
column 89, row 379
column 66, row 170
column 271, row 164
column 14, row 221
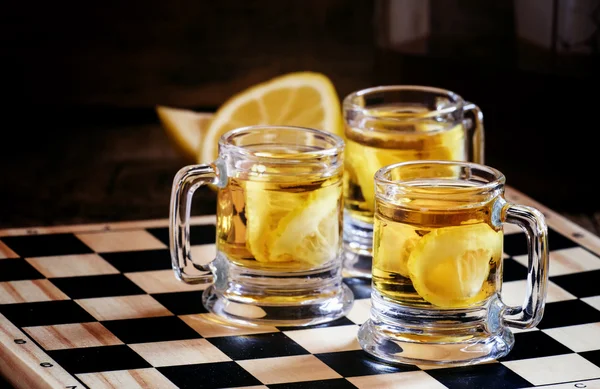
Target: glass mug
column 390, row 124
column 437, row 265
column 279, row 223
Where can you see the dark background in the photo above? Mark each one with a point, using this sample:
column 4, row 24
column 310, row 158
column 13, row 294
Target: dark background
column 81, row 141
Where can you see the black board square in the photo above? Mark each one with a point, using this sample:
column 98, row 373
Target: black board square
column 16, row 269
column 568, row 313
column 359, row 363
column 489, row 376
column 209, row 375
column 151, row 329
column 182, row 303
column 45, row 313
column 97, row 286
column 45, row 245
column 557, row 241
column 342, row 321
column 515, row 244
column 201, row 234
column 275, row 344
column 513, row 270
column 336, row 383
column 592, row 356
column 535, row 344
column 97, row 359
column 143, row 260
column 584, row 284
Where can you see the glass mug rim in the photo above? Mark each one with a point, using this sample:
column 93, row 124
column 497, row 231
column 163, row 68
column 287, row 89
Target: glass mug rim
column 227, row 143
column 458, row 102
column 498, row 181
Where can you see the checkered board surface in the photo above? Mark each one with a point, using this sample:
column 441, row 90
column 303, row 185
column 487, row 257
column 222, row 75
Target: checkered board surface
column 97, row 306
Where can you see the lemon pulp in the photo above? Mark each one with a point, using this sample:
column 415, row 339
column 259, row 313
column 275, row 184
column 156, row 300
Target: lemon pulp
column 363, row 161
column 310, row 234
column 301, row 227
column 449, row 266
column 305, row 99
column 393, row 244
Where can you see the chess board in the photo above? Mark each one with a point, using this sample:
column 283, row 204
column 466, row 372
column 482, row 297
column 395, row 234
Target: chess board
column 97, row 306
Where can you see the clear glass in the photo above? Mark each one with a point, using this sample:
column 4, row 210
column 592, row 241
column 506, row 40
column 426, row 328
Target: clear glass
column 390, row 124
column 437, row 265
column 279, row 227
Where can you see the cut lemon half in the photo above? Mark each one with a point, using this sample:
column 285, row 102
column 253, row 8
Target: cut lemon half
column 449, row 266
column 303, row 99
column 186, row 128
column 393, row 244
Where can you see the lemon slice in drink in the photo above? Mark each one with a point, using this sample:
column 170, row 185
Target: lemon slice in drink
column 310, row 234
column 364, row 161
column 393, row 244
column 361, row 166
column 303, row 99
column 445, row 145
column 186, row 129
column 264, row 211
column 367, row 160
column 292, row 227
column 449, row 266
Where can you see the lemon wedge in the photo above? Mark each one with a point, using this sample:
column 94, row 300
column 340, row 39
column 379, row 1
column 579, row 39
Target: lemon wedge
column 305, row 99
column 393, row 243
column 449, row 266
column 186, row 128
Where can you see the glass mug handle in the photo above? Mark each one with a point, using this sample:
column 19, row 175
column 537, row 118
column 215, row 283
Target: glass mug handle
column 533, row 223
column 185, row 183
column 474, row 124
